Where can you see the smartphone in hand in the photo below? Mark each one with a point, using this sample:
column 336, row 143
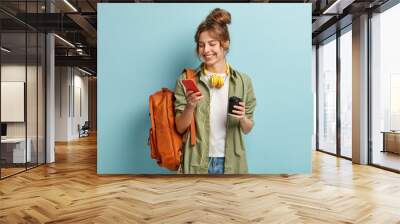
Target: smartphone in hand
column 190, row 85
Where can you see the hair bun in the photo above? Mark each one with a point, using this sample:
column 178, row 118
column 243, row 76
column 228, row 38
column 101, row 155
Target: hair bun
column 220, row 16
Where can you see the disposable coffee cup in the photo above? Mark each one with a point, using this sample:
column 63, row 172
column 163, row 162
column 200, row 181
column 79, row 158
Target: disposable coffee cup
column 233, row 100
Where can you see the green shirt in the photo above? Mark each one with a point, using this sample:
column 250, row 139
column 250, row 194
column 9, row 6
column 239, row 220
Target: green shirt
column 195, row 158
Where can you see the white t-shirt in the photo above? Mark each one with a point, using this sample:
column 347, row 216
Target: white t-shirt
column 218, row 116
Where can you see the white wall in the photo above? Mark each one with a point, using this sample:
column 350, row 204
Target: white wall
column 15, row 72
column 62, row 81
column 81, row 84
column 71, row 94
column 10, row 73
column 33, row 127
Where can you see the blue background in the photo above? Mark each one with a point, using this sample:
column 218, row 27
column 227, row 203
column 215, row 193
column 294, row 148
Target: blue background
column 143, row 47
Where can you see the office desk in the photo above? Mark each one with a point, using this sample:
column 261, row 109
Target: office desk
column 391, row 141
column 13, row 150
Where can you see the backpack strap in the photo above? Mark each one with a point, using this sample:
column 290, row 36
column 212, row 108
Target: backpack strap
column 191, row 74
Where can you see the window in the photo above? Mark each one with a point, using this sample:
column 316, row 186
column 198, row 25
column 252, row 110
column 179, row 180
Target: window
column 385, row 88
column 346, row 93
column 327, row 96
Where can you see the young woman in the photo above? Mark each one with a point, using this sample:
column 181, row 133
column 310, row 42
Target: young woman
column 220, row 147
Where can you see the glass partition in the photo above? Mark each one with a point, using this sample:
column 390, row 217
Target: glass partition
column 22, row 77
column 14, row 150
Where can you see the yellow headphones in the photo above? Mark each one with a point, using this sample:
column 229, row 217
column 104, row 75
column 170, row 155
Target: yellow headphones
column 216, row 81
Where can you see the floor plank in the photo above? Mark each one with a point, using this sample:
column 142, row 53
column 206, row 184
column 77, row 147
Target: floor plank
column 70, row 191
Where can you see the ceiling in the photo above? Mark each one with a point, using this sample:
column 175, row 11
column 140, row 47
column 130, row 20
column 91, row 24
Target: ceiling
column 76, row 22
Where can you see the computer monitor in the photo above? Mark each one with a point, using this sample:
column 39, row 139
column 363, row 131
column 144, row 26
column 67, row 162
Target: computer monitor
column 3, row 129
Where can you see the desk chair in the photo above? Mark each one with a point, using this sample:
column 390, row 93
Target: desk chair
column 84, row 130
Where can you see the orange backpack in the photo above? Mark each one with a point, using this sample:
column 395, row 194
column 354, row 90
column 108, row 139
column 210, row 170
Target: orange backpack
column 164, row 140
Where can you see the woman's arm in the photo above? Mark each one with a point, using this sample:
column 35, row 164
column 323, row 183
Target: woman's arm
column 183, row 120
column 246, row 125
column 245, row 111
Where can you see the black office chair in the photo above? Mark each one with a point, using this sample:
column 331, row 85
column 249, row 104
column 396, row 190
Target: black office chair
column 84, row 130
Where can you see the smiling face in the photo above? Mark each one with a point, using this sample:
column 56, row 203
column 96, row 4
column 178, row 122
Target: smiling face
column 210, row 50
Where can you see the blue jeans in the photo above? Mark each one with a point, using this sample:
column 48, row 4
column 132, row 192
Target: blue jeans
column 216, row 165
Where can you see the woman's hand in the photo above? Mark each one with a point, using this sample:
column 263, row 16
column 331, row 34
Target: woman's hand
column 193, row 98
column 183, row 121
column 240, row 113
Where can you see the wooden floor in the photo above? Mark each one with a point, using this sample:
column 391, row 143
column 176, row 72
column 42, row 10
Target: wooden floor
column 70, row 191
column 5, row 172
